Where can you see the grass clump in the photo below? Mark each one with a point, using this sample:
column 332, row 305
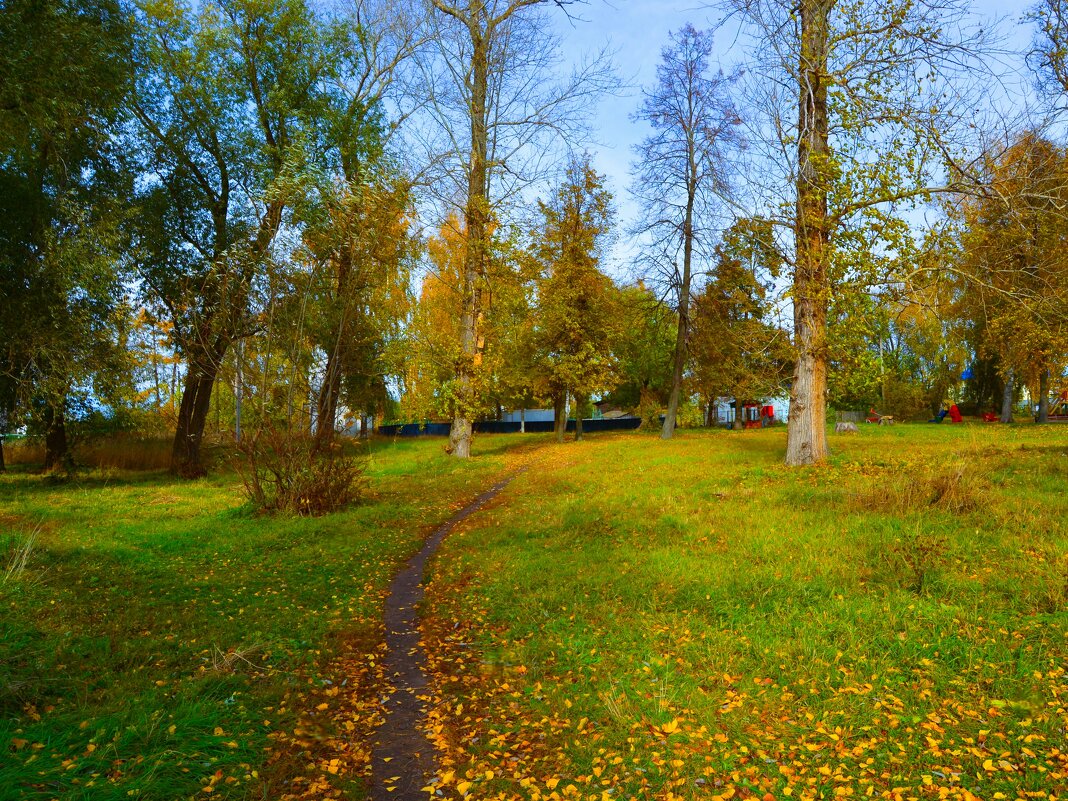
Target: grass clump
column 952, row 487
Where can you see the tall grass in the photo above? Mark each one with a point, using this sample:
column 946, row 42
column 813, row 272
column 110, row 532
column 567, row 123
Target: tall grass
column 118, row 452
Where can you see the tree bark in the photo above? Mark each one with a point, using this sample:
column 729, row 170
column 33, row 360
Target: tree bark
column 327, row 402
column 1043, row 397
column 239, row 390
column 202, row 370
column 560, row 415
column 57, row 450
column 739, row 415
column 580, row 408
column 475, row 215
column 3, row 464
column 523, row 420
column 806, row 441
column 1006, row 398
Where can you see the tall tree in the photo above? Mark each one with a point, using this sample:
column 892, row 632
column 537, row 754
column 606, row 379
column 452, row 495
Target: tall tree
column 64, row 183
column 576, row 301
column 1015, row 251
column 681, row 171
column 501, row 112
column 739, row 350
column 224, row 95
column 860, row 117
column 358, row 225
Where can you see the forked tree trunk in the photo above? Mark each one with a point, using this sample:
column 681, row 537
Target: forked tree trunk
column 560, row 416
column 806, row 441
column 57, row 452
column 202, row 370
column 1043, row 397
column 1006, row 398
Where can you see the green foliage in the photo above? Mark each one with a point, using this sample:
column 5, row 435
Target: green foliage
column 64, row 188
column 739, row 350
column 576, row 307
column 644, row 348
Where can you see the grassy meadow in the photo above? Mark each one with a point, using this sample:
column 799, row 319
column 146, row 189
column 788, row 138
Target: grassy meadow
column 159, row 641
column 691, row 619
column 631, row 618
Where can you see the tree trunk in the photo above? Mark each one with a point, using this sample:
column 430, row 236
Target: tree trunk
column 560, row 416
column 475, row 215
column 806, row 441
column 523, row 420
column 327, row 402
column 57, row 453
column 580, row 408
column 239, row 390
column 1006, row 398
column 1043, row 397
column 682, row 335
column 3, row 464
column 202, row 370
column 739, row 415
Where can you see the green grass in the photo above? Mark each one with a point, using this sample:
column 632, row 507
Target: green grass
column 892, row 624
column 162, row 639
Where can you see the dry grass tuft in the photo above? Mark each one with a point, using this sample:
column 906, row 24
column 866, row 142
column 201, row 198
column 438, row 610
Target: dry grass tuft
column 956, row 489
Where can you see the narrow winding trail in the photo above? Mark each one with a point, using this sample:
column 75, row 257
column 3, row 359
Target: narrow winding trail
column 403, row 760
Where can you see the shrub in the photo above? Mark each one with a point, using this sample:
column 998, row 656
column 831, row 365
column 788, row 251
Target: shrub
column 295, row 473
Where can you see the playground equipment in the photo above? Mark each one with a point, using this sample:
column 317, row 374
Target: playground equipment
column 756, row 416
column 881, row 419
column 1058, row 408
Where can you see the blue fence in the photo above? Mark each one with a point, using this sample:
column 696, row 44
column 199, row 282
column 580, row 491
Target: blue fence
column 500, row 427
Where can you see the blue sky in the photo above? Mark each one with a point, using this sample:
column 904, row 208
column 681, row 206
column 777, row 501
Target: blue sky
column 638, row 29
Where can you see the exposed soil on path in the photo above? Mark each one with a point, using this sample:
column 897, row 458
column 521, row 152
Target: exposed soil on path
column 403, row 759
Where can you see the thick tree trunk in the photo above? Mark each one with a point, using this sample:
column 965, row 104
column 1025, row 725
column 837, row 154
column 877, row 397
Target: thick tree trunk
column 580, row 409
column 806, row 441
column 201, row 372
column 1006, row 398
column 57, row 453
column 327, row 402
column 560, row 416
column 475, row 215
column 1043, row 397
column 739, row 415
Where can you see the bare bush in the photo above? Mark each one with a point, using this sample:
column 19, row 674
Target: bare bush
column 295, row 473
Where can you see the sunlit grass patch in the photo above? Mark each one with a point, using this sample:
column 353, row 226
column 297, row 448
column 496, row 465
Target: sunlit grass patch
column 693, row 618
column 159, row 640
